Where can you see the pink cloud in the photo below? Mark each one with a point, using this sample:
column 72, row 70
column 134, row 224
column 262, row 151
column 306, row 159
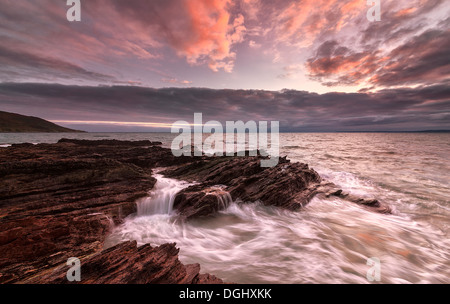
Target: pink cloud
column 176, row 81
column 301, row 22
column 421, row 60
column 202, row 31
column 212, row 35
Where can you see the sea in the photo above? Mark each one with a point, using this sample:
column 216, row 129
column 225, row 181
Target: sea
column 328, row 241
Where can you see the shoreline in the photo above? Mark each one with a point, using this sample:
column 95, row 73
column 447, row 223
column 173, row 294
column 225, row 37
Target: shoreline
column 62, row 200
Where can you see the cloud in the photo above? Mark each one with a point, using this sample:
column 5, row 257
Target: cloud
column 254, row 44
column 423, row 59
column 290, row 71
column 302, row 27
column 390, row 109
column 176, row 81
column 401, row 19
column 202, row 31
column 334, row 64
column 302, row 23
column 118, row 41
column 17, row 65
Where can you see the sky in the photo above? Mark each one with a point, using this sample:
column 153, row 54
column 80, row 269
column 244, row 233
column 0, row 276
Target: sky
column 313, row 65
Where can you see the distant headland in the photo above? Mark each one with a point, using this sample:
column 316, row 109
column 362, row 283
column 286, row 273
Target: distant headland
column 16, row 123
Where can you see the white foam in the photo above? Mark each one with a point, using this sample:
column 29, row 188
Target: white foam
column 161, row 198
column 328, row 242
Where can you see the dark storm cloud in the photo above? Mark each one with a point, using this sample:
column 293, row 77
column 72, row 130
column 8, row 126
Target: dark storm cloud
column 392, row 109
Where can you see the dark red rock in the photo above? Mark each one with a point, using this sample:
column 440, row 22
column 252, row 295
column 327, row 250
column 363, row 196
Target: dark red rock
column 329, row 189
column 127, row 263
column 110, row 142
column 200, row 200
column 61, row 200
column 288, row 185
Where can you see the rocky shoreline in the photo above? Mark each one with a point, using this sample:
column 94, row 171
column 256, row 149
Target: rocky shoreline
column 61, row 200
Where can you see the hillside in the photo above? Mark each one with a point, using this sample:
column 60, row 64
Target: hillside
column 11, row 122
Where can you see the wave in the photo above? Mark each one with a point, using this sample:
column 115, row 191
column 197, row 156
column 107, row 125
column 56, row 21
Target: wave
column 328, row 242
column 161, row 198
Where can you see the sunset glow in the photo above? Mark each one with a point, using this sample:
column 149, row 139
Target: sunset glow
column 161, row 61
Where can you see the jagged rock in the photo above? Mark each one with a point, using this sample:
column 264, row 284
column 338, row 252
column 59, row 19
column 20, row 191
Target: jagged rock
column 287, row 185
column 110, row 142
column 127, row 263
column 199, row 200
column 330, row 189
column 61, row 200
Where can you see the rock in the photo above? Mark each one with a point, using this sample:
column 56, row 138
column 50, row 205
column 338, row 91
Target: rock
column 61, row 200
column 110, row 142
column 199, row 200
column 127, row 263
column 288, row 185
column 330, row 189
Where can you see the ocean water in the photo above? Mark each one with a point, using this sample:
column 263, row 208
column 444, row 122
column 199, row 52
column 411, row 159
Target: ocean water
column 330, row 240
